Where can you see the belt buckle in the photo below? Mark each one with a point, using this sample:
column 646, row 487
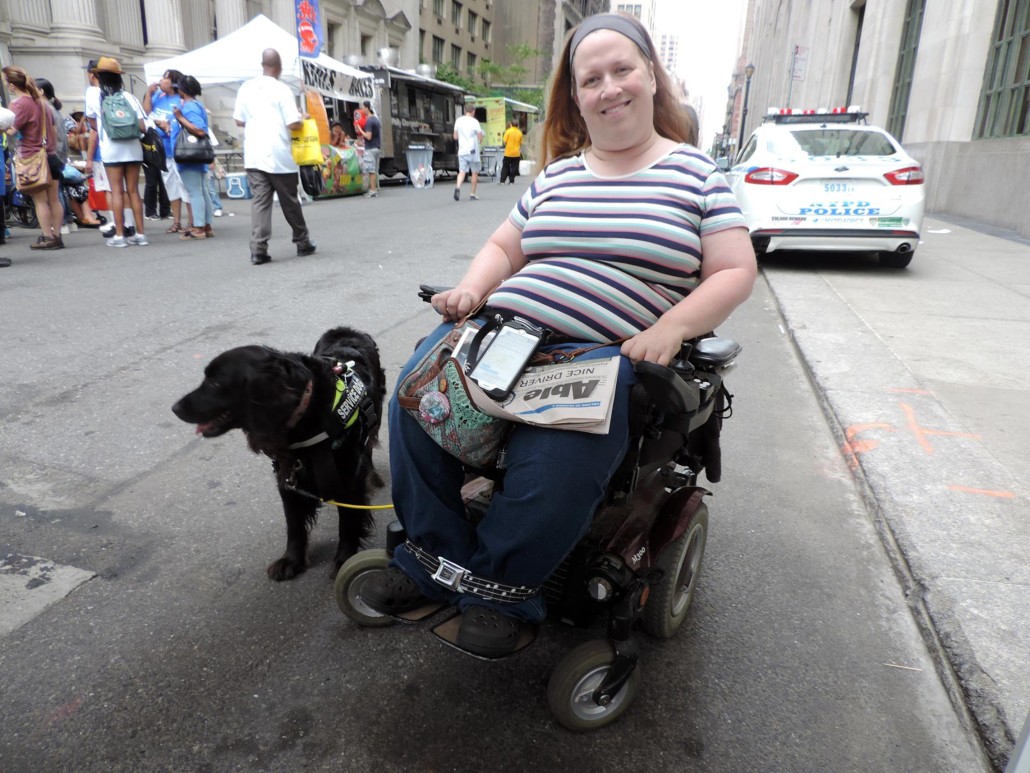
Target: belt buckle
column 449, row 574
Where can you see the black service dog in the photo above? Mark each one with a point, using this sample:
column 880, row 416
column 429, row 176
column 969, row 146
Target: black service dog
column 316, row 416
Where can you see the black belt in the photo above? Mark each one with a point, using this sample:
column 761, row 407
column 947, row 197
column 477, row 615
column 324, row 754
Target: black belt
column 460, row 580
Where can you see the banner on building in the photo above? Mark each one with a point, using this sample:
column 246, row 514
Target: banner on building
column 309, row 28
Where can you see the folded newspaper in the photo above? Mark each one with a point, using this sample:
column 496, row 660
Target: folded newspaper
column 574, row 395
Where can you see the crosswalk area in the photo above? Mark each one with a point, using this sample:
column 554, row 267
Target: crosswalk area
column 29, row 584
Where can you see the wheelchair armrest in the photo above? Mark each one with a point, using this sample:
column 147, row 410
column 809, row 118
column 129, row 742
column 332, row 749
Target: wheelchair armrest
column 426, row 292
column 666, row 388
column 714, row 352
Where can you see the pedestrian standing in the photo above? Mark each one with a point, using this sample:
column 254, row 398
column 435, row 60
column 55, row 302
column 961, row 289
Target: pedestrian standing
column 6, row 120
column 190, row 116
column 512, row 140
column 34, row 125
column 161, row 100
column 120, row 149
column 266, row 110
column 469, row 135
column 372, row 133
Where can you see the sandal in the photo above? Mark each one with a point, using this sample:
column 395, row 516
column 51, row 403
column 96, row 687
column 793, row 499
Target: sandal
column 487, row 632
column 88, row 223
column 175, row 228
column 391, row 592
column 209, row 232
column 192, row 233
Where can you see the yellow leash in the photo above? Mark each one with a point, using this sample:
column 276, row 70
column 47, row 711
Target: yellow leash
column 359, row 507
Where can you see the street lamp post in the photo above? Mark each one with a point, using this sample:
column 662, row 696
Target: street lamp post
column 748, row 72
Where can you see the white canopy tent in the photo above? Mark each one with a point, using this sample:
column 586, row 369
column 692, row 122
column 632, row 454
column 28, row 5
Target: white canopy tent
column 237, row 57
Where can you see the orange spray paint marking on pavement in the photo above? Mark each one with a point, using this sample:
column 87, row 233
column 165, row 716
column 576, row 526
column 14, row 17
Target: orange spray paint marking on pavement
column 921, row 433
column 985, row 492
column 852, row 447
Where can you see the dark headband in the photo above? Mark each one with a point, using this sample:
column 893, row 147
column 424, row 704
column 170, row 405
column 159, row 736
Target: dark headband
column 608, row 21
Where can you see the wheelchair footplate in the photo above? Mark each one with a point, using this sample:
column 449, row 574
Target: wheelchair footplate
column 421, row 613
column 447, row 632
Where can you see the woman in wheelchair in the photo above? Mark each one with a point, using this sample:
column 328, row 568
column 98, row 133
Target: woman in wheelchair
column 629, row 236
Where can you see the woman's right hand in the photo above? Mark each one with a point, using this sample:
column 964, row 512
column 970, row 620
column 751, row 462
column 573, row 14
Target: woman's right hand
column 89, row 166
column 456, row 303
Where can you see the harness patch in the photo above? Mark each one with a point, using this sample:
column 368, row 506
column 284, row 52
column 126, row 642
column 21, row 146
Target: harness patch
column 350, row 390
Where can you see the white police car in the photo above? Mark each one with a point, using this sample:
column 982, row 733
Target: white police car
column 825, row 181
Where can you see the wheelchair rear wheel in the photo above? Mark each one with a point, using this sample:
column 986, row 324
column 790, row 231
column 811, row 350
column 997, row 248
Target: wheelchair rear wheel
column 680, row 562
column 572, row 685
column 348, row 584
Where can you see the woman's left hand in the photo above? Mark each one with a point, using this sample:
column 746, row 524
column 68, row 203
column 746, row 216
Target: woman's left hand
column 660, row 344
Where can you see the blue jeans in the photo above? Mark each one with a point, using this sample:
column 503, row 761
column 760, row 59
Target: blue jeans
column 555, row 480
column 200, row 202
column 212, row 190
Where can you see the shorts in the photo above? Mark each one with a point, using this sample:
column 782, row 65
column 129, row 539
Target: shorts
column 469, row 163
column 100, row 181
column 370, row 160
column 174, row 185
column 56, row 166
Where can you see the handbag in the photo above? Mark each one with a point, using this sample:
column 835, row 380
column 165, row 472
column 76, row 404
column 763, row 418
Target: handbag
column 153, row 150
column 436, row 394
column 304, row 142
column 191, row 149
column 33, row 170
column 98, row 200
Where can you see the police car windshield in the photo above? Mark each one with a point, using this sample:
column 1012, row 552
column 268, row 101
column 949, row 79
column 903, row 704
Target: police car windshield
column 842, row 142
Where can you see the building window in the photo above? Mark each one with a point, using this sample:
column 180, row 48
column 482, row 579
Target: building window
column 438, row 7
column 1004, row 109
column 906, row 65
column 437, row 50
column 456, row 57
column 473, row 23
column 486, row 31
column 470, row 58
column 456, row 13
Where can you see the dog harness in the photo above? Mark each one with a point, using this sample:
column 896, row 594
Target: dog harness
column 349, row 422
column 352, row 406
column 461, row 580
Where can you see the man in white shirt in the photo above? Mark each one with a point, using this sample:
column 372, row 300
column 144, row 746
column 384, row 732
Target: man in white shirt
column 266, row 110
column 469, row 135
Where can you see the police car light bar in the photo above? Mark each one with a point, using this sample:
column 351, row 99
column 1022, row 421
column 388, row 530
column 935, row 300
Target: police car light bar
column 850, row 114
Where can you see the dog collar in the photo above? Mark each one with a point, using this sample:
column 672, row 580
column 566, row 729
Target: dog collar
column 302, row 406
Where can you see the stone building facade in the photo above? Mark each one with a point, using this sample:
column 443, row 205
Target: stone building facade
column 540, row 24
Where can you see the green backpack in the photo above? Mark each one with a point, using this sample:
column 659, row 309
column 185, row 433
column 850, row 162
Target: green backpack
column 118, row 117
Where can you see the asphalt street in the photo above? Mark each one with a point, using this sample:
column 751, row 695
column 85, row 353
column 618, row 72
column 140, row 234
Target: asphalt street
column 812, row 643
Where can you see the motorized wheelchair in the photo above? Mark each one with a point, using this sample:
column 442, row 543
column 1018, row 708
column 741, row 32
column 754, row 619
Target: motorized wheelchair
column 641, row 558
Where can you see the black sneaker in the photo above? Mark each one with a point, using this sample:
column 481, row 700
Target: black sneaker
column 487, row 632
column 5, row 262
column 390, row 592
column 307, row 248
column 457, row 195
column 257, row 260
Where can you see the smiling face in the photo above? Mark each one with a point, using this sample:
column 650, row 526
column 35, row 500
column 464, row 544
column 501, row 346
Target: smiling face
column 614, row 90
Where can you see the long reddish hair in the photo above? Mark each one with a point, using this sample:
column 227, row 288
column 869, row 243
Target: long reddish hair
column 21, row 80
column 565, row 132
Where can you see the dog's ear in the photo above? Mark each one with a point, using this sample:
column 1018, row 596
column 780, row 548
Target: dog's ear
column 274, row 392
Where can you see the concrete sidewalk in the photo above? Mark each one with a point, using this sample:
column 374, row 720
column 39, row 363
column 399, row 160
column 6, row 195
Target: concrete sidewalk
column 923, row 375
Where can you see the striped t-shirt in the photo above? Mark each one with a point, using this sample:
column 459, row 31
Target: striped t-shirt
column 608, row 256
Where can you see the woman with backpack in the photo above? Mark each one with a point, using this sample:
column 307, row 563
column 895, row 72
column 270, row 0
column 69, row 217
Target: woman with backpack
column 34, row 124
column 119, row 119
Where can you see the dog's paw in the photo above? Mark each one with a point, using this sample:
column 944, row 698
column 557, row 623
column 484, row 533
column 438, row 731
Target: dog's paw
column 285, row 568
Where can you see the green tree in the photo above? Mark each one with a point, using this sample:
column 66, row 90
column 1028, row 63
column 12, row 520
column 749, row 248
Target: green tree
column 448, row 73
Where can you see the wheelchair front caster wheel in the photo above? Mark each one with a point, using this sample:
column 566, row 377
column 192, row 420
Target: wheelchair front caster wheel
column 572, row 685
column 352, row 574
column 680, row 562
